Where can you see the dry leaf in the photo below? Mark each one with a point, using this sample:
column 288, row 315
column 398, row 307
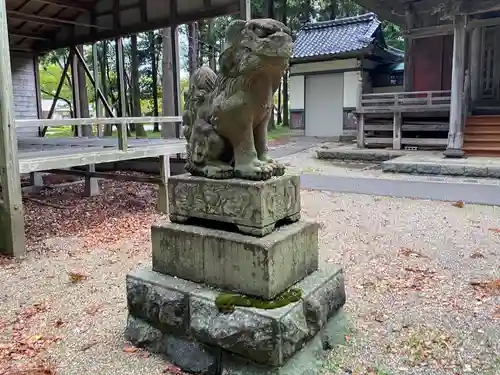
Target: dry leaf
column 130, row 349
column 76, row 277
column 172, row 370
column 477, row 254
column 458, row 204
column 58, row 323
column 93, row 309
column 411, row 253
column 494, row 230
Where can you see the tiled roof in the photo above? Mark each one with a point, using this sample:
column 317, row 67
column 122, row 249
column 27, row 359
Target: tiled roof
column 337, row 36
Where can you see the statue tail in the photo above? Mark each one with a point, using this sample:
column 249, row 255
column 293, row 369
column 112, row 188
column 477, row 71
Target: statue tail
column 201, row 84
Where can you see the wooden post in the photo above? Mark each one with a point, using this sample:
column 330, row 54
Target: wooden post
column 12, row 238
column 122, row 97
column 396, row 131
column 475, row 63
column 245, row 10
column 163, row 187
column 455, row 134
column 361, row 116
column 409, row 57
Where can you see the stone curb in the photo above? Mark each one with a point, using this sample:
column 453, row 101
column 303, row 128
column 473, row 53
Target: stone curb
column 441, row 169
column 359, row 155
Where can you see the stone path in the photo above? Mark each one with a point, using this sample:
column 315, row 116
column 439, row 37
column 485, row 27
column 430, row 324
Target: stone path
column 477, row 193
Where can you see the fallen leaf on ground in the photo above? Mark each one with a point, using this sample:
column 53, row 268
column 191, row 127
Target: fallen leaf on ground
column 93, row 309
column 492, row 287
column 494, row 230
column 477, row 254
column 496, row 314
column 458, row 204
column 172, row 370
column 130, row 349
column 58, row 323
column 76, row 277
column 407, row 252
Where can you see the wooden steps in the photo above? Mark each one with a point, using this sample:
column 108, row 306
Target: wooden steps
column 482, row 135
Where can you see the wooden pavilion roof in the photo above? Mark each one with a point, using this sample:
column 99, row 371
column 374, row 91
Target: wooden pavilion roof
column 40, row 25
column 395, row 10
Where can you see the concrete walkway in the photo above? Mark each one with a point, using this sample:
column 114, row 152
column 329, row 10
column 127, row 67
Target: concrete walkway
column 474, row 192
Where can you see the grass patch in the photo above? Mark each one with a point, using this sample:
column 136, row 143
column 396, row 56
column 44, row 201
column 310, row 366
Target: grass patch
column 278, row 133
column 66, row 131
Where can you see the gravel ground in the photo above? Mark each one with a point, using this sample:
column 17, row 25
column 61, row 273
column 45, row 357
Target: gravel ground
column 409, row 266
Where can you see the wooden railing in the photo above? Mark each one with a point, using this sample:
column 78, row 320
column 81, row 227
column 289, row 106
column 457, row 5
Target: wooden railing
column 416, row 101
column 120, row 122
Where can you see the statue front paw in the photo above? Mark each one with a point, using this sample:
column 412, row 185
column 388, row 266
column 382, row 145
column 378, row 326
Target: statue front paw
column 254, row 171
column 217, row 171
column 278, row 169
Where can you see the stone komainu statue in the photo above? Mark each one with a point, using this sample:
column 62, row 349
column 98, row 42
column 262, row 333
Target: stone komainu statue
column 226, row 114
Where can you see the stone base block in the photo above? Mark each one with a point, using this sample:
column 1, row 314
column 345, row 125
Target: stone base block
column 180, row 319
column 253, row 206
column 258, row 266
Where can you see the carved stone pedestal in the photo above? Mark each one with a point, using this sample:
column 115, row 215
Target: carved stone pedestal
column 255, row 207
column 172, row 307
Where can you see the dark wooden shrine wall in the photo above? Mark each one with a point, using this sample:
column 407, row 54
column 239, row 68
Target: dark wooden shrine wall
column 432, row 61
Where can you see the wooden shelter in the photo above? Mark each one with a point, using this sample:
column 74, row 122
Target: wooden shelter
column 32, row 27
column 452, row 73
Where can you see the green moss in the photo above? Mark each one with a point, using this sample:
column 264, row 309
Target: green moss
column 227, row 302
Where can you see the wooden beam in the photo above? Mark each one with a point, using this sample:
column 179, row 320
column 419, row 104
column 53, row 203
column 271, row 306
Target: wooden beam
column 455, row 135
column 69, row 4
column 245, row 10
column 93, row 81
column 21, row 34
column 49, row 21
column 107, row 176
column 409, row 55
column 12, row 237
column 58, row 90
column 142, row 27
column 27, row 123
column 426, row 32
column 163, row 186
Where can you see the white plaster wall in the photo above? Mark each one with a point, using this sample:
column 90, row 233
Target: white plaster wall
column 324, row 105
column 322, row 66
column 296, row 87
column 351, row 82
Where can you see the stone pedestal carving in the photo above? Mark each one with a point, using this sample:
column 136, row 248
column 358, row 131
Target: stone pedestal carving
column 172, row 307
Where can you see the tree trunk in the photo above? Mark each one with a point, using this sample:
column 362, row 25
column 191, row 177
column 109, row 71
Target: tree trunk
column 168, row 102
column 269, row 9
column 286, row 114
column 193, row 46
column 136, row 90
column 108, row 128
column 333, row 9
column 83, row 95
column 212, row 61
column 154, row 72
column 280, row 119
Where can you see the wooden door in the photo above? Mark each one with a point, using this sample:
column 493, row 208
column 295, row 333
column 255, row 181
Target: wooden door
column 490, row 64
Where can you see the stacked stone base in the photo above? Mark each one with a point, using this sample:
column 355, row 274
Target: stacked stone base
column 180, row 320
column 172, row 308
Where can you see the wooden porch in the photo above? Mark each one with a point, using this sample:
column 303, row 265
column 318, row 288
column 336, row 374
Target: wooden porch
column 452, row 49
column 404, row 120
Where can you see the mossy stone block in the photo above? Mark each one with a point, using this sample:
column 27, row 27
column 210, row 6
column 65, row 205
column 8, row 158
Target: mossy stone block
column 258, row 266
